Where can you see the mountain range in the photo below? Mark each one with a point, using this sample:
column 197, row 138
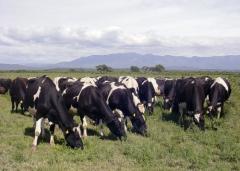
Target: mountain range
column 125, row 60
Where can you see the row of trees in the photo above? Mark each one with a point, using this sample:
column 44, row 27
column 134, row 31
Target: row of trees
column 156, row 68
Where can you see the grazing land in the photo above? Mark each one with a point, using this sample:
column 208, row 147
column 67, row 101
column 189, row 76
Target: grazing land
column 168, row 146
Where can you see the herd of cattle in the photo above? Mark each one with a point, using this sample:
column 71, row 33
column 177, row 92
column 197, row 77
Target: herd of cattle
column 111, row 100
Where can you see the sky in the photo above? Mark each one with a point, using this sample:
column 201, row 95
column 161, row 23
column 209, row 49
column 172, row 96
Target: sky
column 50, row 31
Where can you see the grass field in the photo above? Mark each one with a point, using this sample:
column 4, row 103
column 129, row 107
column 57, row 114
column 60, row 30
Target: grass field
column 168, row 146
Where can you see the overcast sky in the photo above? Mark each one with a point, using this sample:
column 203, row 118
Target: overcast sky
column 49, row 31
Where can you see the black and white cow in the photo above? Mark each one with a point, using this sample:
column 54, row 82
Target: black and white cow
column 168, row 93
column 62, row 82
column 220, row 91
column 189, row 100
column 5, row 85
column 42, row 100
column 132, row 84
column 146, row 93
column 120, row 99
column 88, row 101
column 18, row 92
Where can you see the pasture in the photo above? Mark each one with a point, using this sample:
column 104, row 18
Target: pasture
column 168, row 146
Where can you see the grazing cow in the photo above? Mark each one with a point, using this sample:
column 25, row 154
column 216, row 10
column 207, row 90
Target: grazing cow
column 18, row 92
column 146, row 93
column 88, row 101
column 43, row 101
column 120, row 99
column 220, row 91
column 5, row 84
column 168, row 93
column 62, row 82
column 189, row 100
column 132, row 85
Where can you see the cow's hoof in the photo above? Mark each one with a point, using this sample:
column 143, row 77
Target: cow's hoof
column 34, row 148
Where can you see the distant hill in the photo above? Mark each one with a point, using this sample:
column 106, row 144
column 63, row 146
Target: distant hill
column 15, row 67
column 125, row 60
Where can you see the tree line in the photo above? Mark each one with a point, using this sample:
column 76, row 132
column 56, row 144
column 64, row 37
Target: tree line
column 156, row 68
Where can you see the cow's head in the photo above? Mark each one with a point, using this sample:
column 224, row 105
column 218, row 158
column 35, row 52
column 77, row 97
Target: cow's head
column 73, row 139
column 167, row 103
column 117, row 128
column 139, row 124
column 199, row 120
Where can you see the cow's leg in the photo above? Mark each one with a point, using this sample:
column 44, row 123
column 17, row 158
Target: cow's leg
column 84, row 124
column 22, row 110
column 37, row 133
column 42, row 129
column 219, row 111
column 52, row 128
column 12, row 100
column 101, row 127
column 17, row 103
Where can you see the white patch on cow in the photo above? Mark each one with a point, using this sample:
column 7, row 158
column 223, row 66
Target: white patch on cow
column 220, row 81
column 64, row 91
column 29, row 78
column 89, row 80
column 141, row 108
column 55, row 81
column 153, row 99
column 37, row 131
column 192, row 82
column 72, row 79
column 85, row 85
column 206, row 78
column 77, row 128
column 155, row 85
column 113, row 88
column 166, row 100
column 129, row 82
column 119, row 114
column 138, row 104
column 197, row 117
column 149, row 104
column 36, row 95
column 145, row 81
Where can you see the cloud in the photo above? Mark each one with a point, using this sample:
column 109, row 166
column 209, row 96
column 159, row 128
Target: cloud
column 50, row 45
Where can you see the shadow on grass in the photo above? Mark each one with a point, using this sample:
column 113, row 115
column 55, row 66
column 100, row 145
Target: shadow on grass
column 20, row 112
column 29, row 131
column 92, row 132
column 171, row 117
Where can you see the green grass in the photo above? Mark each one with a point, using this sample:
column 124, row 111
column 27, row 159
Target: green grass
column 168, row 146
